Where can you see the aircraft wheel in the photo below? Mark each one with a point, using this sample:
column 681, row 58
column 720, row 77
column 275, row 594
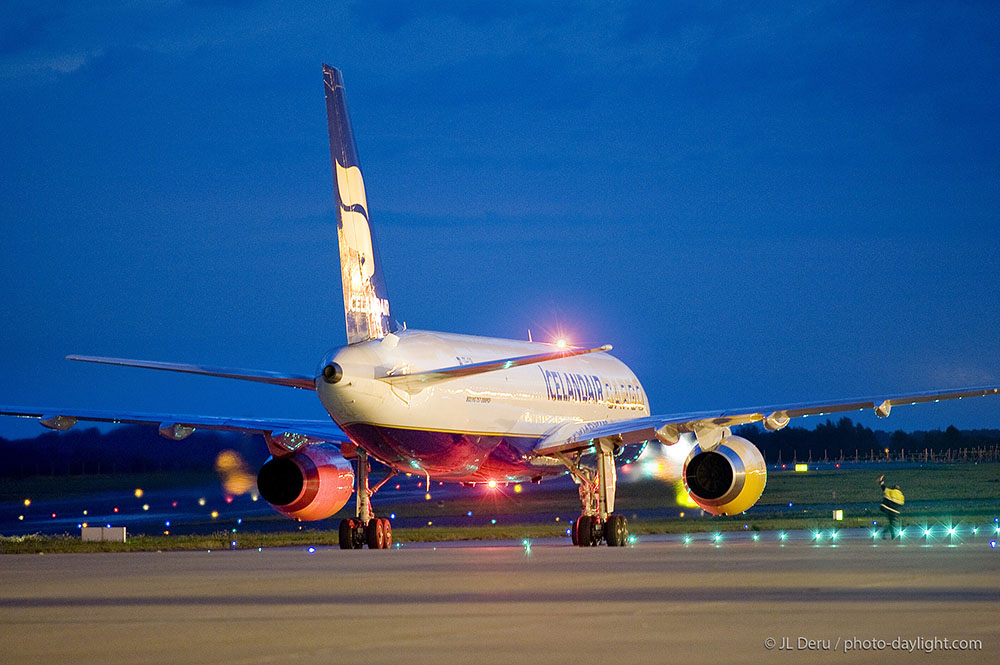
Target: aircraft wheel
column 375, row 534
column 346, row 534
column 387, row 528
column 584, row 530
column 616, row 530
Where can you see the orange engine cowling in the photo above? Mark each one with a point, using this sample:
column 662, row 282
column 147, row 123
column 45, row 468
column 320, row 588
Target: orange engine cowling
column 728, row 479
column 310, row 484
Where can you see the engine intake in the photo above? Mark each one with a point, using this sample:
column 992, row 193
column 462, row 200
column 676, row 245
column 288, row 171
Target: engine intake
column 728, row 479
column 310, row 484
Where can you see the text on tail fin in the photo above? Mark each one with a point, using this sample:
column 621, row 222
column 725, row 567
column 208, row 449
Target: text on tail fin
column 366, row 302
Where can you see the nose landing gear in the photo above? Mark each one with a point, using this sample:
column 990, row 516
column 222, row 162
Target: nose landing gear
column 597, row 494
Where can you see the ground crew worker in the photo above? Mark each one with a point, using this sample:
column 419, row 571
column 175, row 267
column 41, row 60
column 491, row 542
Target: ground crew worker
column 892, row 505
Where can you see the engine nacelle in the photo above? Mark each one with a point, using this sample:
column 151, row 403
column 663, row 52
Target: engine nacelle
column 310, row 484
column 728, row 479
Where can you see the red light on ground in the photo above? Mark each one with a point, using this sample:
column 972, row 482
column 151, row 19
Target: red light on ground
column 53, row 515
column 116, row 509
column 173, row 504
column 397, row 486
column 229, row 499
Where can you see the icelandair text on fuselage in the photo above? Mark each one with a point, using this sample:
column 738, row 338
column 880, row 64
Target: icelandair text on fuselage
column 572, row 387
column 848, row 644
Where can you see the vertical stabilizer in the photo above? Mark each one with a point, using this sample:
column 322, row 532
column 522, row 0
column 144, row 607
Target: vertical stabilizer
column 366, row 302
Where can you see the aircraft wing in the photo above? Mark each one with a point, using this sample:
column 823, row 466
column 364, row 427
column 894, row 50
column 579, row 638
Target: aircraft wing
column 259, row 376
column 708, row 426
column 282, row 436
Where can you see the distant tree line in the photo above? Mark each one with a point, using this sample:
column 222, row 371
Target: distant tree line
column 129, row 449
column 846, row 440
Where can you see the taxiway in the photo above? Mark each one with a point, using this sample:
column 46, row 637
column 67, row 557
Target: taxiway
column 654, row 602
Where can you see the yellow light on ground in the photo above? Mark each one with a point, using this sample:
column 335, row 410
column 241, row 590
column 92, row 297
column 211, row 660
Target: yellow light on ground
column 801, row 468
column 518, row 489
column 201, row 501
column 838, row 515
column 215, row 514
column 138, row 492
column 27, row 502
column 145, row 506
column 427, row 496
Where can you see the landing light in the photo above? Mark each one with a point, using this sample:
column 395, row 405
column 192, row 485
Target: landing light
column 492, row 484
column 561, row 343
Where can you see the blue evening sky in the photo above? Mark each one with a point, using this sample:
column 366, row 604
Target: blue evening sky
column 754, row 203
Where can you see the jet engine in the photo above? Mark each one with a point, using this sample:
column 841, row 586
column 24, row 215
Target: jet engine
column 727, row 479
column 310, row 484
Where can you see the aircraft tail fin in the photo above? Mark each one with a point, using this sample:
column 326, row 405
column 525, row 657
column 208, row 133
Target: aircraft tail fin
column 366, row 302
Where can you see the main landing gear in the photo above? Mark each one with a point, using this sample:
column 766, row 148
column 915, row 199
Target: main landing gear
column 597, row 494
column 365, row 528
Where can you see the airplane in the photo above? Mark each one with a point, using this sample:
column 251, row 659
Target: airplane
column 463, row 408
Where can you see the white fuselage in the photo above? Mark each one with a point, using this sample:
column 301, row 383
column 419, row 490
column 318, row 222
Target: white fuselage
column 473, row 427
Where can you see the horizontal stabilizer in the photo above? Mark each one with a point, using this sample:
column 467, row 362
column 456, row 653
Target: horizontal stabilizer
column 418, row 380
column 260, row 376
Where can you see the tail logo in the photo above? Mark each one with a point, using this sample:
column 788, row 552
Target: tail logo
column 357, row 256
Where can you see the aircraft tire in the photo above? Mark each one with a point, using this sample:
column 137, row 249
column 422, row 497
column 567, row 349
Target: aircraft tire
column 616, row 531
column 584, row 529
column 346, row 534
column 387, row 528
column 375, row 534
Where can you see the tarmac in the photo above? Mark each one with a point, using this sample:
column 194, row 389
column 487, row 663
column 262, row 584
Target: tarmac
column 659, row 600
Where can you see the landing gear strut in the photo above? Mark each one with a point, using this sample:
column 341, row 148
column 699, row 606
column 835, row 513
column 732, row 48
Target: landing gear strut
column 365, row 528
column 598, row 521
